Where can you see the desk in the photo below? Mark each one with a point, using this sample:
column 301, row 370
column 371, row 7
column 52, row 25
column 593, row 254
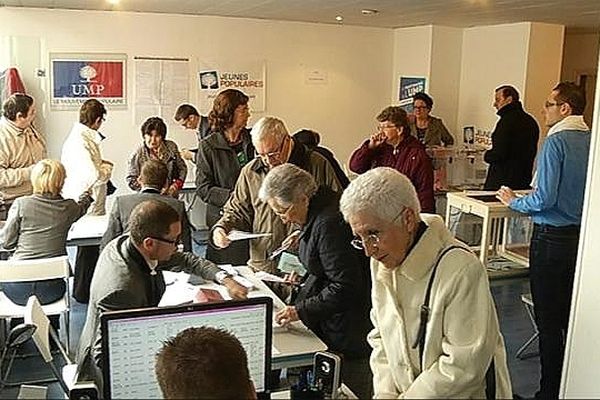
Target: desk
column 293, row 347
column 87, row 231
column 493, row 212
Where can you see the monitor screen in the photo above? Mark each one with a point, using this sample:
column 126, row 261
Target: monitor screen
column 132, row 338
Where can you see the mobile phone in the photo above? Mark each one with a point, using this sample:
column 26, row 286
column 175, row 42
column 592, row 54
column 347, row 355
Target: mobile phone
column 326, row 372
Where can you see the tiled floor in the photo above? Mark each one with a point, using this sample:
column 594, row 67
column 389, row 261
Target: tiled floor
column 514, row 322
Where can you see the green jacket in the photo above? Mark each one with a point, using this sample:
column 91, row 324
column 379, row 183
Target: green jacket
column 436, row 133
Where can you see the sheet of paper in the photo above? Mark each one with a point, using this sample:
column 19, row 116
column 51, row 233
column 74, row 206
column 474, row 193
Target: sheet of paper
column 265, row 276
column 240, row 235
column 88, row 226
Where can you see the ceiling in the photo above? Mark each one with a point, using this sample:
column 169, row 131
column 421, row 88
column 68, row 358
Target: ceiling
column 578, row 15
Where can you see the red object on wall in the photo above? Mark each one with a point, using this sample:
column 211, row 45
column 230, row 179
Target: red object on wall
column 13, row 83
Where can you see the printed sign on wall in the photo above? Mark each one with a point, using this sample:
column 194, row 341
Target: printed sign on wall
column 407, row 89
column 248, row 77
column 79, row 77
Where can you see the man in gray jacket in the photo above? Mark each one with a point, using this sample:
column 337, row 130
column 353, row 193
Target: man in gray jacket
column 153, row 180
column 129, row 275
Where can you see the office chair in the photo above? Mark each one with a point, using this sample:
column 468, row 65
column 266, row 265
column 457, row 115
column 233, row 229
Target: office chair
column 17, row 336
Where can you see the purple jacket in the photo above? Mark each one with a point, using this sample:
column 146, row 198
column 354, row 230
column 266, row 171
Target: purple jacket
column 410, row 159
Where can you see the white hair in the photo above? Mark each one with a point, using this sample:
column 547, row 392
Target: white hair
column 382, row 192
column 285, row 183
column 268, row 127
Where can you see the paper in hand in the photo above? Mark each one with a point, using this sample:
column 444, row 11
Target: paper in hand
column 240, row 235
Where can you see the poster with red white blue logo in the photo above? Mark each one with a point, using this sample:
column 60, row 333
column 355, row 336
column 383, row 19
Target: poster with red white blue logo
column 77, row 78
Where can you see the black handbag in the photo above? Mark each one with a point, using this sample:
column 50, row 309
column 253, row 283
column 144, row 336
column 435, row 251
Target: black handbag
column 490, row 375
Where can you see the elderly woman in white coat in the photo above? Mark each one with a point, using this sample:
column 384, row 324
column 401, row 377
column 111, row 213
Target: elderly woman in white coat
column 443, row 345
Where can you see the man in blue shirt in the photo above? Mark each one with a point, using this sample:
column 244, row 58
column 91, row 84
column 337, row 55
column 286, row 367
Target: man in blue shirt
column 555, row 206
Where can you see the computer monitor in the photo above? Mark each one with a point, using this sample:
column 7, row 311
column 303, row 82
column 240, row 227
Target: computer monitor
column 132, row 338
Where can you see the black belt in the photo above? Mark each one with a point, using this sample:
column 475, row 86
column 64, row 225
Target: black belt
column 558, row 229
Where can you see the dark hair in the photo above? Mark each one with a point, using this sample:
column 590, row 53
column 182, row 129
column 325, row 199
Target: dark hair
column 184, row 111
column 17, row 103
column 151, row 218
column 425, row 98
column 397, row 116
column 308, row 138
column 221, row 115
column 154, row 124
column 203, row 362
column 90, row 111
column 154, row 173
column 573, row 95
column 508, row 91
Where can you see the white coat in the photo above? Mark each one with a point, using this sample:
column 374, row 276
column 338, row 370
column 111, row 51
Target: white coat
column 85, row 167
column 462, row 333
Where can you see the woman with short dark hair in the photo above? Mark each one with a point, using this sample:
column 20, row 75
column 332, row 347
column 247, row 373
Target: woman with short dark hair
column 157, row 147
column 430, row 130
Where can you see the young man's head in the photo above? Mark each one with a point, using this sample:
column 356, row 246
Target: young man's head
column 155, row 229
column 154, row 174
column 566, row 99
column 187, row 116
column 204, row 363
column 91, row 114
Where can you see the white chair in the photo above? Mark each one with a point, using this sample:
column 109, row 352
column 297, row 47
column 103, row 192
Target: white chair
column 36, row 270
column 34, row 315
column 528, row 304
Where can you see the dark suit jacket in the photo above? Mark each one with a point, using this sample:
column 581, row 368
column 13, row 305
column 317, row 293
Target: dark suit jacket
column 118, row 220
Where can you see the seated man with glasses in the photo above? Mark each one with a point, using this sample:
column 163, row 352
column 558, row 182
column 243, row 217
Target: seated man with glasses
column 443, row 345
column 333, row 299
column 129, row 275
column 394, row 146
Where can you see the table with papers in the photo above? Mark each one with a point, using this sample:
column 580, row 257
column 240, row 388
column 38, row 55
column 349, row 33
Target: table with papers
column 293, row 346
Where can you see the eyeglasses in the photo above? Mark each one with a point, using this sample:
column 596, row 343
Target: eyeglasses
column 273, row 154
column 548, row 104
column 384, row 127
column 360, row 244
column 283, row 213
column 420, row 107
column 186, row 123
column 175, row 242
column 373, row 238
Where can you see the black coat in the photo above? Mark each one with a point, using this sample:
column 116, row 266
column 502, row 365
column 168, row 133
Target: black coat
column 335, row 298
column 514, row 146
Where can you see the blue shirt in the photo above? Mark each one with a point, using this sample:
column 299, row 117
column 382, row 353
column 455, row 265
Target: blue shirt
column 561, row 175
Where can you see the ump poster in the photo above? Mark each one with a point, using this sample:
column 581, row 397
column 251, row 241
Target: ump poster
column 79, row 77
column 407, row 89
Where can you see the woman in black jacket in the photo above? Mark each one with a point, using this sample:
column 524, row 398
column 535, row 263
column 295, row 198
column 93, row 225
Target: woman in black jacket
column 219, row 161
column 334, row 297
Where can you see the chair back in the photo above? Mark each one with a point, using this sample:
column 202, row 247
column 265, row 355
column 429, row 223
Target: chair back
column 34, row 314
column 34, row 270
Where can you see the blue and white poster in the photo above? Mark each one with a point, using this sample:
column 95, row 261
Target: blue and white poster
column 407, row 89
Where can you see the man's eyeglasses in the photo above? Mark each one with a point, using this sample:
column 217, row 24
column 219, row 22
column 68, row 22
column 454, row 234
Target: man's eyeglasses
column 175, row 242
column 548, row 104
column 283, row 213
column 273, row 154
column 384, row 127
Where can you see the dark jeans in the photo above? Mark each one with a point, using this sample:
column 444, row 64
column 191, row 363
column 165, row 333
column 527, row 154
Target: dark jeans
column 47, row 291
column 85, row 264
column 552, row 258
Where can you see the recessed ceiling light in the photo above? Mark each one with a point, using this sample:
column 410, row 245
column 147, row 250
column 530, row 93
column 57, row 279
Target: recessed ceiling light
column 339, row 18
column 113, row 2
column 369, row 11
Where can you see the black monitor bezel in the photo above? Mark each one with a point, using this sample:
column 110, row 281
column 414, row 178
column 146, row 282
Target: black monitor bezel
column 107, row 316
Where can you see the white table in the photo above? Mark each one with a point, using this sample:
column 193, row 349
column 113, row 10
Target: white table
column 87, row 231
column 292, row 347
column 493, row 213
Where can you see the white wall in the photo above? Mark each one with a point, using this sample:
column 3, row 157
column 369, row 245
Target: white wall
column 582, row 356
column 580, row 54
column 412, row 55
column 358, row 62
column 543, row 68
column 491, row 56
column 444, row 87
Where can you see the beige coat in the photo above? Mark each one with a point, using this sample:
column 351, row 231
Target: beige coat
column 245, row 211
column 462, row 333
column 19, row 150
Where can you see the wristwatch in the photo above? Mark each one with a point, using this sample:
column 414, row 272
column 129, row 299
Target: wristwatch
column 221, row 276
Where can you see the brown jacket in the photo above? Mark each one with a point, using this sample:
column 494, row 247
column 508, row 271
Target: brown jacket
column 19, row 150
column 245, row 211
